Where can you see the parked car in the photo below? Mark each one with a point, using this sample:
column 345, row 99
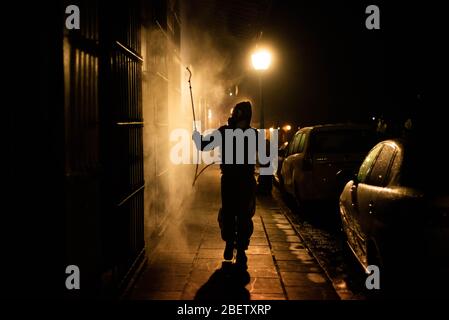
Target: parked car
column 282, row 152
column 308, row 166
column 395, row 211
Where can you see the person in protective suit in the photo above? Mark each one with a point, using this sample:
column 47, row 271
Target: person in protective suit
column 238, row 186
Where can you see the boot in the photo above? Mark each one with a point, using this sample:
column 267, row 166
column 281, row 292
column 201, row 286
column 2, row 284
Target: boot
column 241, row 259
column 229, row 251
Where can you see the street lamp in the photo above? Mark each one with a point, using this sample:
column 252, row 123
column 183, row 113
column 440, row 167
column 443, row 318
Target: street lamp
column 261, row 60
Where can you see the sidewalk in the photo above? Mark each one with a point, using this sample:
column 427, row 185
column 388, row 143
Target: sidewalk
column 187, row 262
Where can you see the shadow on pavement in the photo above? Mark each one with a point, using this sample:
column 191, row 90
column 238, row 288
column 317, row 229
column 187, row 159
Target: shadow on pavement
column 226, row 283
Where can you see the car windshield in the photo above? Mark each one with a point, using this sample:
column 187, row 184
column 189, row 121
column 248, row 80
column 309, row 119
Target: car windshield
column 343, row 141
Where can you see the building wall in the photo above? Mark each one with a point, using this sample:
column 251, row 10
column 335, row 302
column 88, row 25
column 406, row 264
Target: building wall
column 164, row 108
column 81, row 56
column 111, row 93
column 103, row 153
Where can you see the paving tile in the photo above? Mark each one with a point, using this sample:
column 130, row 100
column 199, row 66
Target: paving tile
column 267, row 296
column 298, row 266
column 300, row 255
column 218, row 244
column 283, row 245
column 278, row 226
column 172, row 269
column 190, row 291
column 285, row 238
column 276, row 222
column 173, row 257
column 258, row 250
column 258, row 241
column 173, row 247
column 263, row 272
column 280, row 232
column 199, row 277
column 304, row 278
column 210, row 253
column 212, row 238
column 211, row 230
column 258, row 226
column 207, row 264
column 260, row 260
column 271, row 214
column 259, row 233
column 265, row 285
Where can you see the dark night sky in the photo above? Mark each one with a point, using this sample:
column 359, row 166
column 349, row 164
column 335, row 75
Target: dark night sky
column 326, row 63
column 330, row 68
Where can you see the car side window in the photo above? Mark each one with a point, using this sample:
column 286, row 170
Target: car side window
column 395, row 167
column 291, row 145
column 378, row 174
column 294, row 144
column 368, row 163
column 301, row 143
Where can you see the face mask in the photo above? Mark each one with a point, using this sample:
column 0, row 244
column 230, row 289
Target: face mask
column 232, row 122
column 233, row 119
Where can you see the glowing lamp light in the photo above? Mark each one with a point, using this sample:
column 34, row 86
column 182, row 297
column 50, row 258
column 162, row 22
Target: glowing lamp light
column 271, row 129
column 261, row 60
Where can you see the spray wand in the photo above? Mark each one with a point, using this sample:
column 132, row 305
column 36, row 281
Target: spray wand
column 191, row 98
column 194, row 126
column 194, row 122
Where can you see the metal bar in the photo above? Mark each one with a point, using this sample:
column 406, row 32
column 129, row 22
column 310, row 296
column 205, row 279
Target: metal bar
column 131, row 195
column 162, row 173
column 129, row 51
column 162, row 76
column 162, row 29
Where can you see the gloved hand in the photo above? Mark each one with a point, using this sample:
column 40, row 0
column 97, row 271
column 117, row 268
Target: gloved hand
column 196, row 137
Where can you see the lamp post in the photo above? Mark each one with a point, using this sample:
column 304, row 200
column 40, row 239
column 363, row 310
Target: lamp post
column 261, row 60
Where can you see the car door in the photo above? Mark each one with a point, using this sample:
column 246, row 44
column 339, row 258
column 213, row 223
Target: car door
column 287, row 166
column 297, row 165
column 282, row 154
column 369, row 195
column 350, row 206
